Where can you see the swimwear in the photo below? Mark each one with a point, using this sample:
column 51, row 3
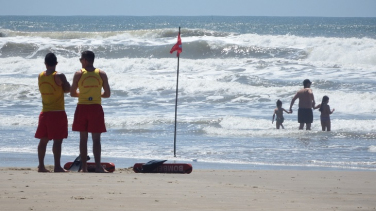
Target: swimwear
column 280, row 120
column 89, row 115
column 89, row 118
column 305, row 115
column 324, row 119
column 52, row 125
column 53, row 121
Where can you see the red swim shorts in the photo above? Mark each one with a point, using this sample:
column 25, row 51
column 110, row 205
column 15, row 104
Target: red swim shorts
column 89, row 118
column 52, row 125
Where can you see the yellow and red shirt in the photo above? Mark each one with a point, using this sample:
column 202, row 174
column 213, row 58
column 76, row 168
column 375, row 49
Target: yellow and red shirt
column 90, row 87
column 52, row 93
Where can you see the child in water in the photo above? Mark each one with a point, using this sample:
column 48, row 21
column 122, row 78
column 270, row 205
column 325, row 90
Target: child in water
column 325, row 113
column 279, row 112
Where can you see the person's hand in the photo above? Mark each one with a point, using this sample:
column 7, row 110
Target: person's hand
column 290, row 111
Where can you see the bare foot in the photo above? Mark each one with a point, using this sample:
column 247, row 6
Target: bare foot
column 100, row 170
column 43, row 170
column 59, row 170
column 84, row 171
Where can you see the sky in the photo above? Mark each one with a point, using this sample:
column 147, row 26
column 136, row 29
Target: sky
column 317, row 8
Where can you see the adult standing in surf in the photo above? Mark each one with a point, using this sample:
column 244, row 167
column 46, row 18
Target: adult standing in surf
column 306, row 103
column 53, row 121
column 89, row 115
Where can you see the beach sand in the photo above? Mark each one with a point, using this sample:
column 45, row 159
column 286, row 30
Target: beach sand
column 26, row 189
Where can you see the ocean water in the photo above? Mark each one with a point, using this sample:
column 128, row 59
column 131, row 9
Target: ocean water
column 232, row 72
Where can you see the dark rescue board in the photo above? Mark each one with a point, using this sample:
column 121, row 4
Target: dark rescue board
column 174, row 168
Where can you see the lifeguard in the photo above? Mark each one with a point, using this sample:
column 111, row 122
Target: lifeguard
column 89, row 115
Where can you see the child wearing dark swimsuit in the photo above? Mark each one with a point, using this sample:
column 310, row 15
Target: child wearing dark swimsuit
column 325, row 113
column 279, row 113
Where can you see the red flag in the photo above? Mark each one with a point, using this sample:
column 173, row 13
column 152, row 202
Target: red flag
column 177, row 47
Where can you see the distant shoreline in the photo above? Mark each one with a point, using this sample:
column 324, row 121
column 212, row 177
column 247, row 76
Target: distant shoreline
column 13, row 160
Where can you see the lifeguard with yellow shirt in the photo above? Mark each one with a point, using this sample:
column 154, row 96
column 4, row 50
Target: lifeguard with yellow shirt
column 53, row 121
column 89, row 115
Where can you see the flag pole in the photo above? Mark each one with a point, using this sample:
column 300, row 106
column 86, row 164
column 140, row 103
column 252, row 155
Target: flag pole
column 176, row 102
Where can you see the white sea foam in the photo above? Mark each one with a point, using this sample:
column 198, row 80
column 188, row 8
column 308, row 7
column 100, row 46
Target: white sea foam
column 342, row 52
column 209, row 81
column 372, row 148
column 251, row 127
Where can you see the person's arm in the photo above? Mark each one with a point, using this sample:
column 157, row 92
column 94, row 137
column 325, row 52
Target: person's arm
column 106, row 86
column 273, row 117
column 318, row 106
column 293, row 101
column 64, row 83
column 330, row 111
column 73, row 89
column 313, row 99
column 289, row 112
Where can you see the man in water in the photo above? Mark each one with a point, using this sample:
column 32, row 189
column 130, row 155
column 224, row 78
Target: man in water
column 89, row 115
column 53, row 121
column 306, row 103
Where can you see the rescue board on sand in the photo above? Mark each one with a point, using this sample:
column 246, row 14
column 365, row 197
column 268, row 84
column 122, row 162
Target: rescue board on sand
column 161, row 167
column 110, row 167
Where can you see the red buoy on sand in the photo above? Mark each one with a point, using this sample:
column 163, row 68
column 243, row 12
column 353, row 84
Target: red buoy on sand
column 110, row 167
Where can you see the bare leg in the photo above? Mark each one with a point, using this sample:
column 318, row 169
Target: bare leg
column 282, row 126
column 83, row 150
column 308, row 127
column 323, row 125
column 97, row 151
column 42, row 146
column 328, row 126
column 301, row 126
column 277, row 125
column 56, row 149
